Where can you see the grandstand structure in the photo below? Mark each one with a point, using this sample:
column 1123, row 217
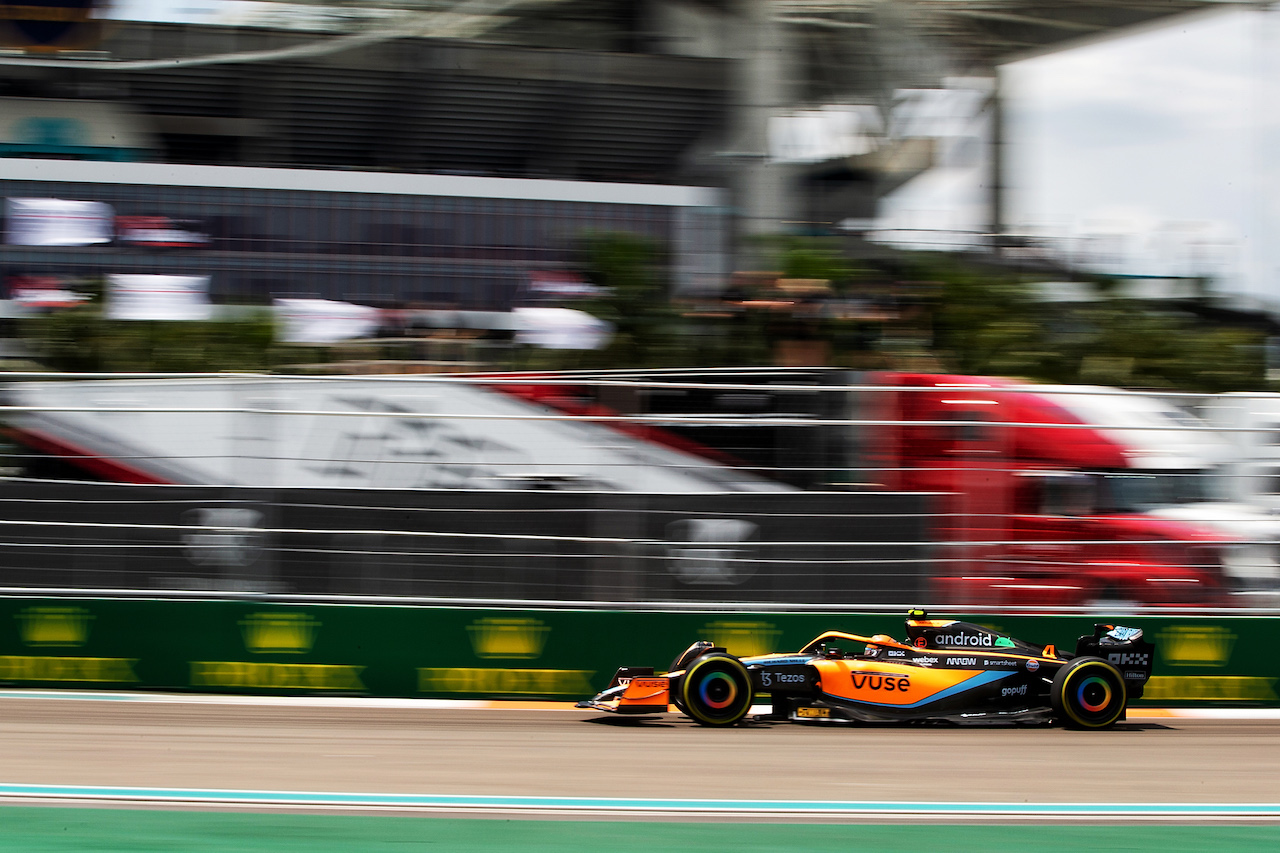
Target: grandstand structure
column 653, row 93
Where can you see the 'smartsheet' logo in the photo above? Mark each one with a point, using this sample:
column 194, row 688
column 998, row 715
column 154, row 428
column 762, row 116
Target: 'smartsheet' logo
column 279, row 633
column 223, row 537
column 508, row 638
column 712, row 551
column 65, row 627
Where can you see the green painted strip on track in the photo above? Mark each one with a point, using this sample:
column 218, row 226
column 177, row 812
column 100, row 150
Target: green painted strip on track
column 54, row 830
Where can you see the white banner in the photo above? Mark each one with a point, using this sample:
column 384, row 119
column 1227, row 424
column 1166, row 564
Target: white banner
column 158, row 297
column 57, row 222
column 561, row 328
column 323, row 321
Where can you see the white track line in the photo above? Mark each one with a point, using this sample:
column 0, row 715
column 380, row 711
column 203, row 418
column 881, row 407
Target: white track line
column 617, row 806
column 494, row 704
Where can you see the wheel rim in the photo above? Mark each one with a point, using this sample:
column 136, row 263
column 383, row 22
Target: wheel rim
column 1093, row 695
column 716, row 691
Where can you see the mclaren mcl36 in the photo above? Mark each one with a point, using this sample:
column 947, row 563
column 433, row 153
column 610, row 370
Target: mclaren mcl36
column 946, row 671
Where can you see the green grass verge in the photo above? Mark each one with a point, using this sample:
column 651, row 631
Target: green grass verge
column 44, row 830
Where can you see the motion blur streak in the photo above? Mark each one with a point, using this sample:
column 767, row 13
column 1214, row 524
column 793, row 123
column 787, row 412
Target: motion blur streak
column 494, row 753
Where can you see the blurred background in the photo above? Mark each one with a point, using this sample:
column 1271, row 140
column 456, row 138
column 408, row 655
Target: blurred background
column 713, row 301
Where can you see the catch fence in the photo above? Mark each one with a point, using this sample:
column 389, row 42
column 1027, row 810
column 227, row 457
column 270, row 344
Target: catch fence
column 761, row 486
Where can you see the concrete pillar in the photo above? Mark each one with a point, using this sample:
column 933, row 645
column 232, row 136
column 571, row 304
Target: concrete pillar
column 763, row 86
column 997, row 226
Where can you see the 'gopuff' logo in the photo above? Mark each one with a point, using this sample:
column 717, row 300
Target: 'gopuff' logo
column 963, row 639
column 708, row 551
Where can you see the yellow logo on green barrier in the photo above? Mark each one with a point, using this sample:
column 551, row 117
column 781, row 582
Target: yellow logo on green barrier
column 508, row 638
column 1210, row 688
column 743, row 639
column 54, row 626
column 277, row 676
column 1196, row 645
column 505, row 682
column 279, row 633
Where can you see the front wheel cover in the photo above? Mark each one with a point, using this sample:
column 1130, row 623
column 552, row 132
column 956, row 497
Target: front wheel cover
column 716, row 690
column 1089, row 693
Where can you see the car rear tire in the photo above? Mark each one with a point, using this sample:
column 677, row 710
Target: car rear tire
column 1088, row 693
column 716, row 690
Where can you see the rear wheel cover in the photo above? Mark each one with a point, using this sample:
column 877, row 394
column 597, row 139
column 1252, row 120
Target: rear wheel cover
column 716, row 690
column 1089, row 693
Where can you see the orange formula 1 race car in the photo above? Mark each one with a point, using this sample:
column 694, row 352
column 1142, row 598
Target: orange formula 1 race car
column 947, row 670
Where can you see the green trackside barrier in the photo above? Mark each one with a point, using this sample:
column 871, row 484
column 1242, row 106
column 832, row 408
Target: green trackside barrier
column 412, row 651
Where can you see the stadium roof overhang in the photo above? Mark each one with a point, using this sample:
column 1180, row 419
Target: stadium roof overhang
column 985, row 31
column 974, row 34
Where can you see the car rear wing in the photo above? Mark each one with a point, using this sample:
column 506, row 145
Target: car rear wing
column 1125, row 649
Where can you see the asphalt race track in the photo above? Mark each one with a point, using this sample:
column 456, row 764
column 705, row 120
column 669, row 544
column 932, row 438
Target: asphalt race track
column 579, row 754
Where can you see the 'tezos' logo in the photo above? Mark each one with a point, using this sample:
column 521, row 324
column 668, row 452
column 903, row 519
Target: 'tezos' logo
column 963, row 639
column 900, row 683
column 1129, row 658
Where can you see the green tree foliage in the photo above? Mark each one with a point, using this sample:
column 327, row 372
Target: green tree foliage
column 987, row 321
column 820, row 258
column 81, row 340
column 983, row 324
column 952, row 316
column 636, row 299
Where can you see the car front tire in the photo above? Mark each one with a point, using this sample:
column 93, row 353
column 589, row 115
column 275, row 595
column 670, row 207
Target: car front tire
column 716, row 690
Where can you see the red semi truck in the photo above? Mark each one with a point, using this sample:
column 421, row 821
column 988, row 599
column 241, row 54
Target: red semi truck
column 1042, row 501
column 1040, row 507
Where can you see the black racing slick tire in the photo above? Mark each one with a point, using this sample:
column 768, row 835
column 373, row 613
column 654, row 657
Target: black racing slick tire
column 716, row 690
column 1088, row 693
